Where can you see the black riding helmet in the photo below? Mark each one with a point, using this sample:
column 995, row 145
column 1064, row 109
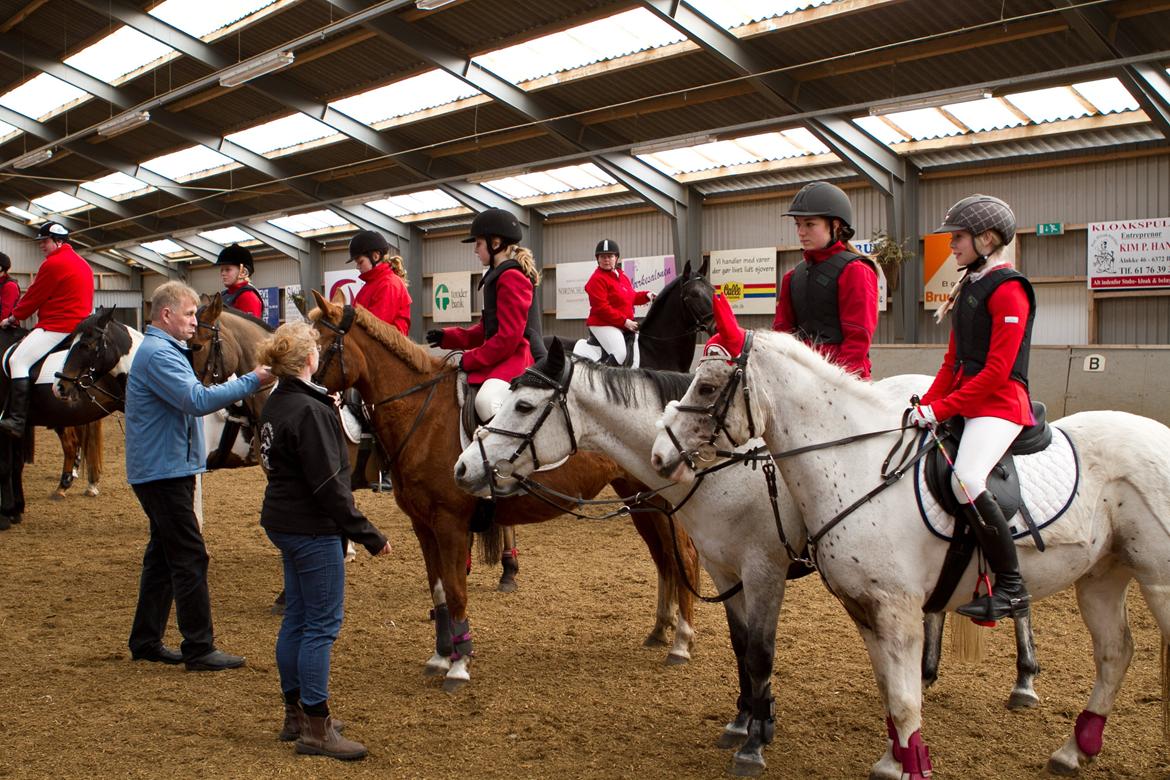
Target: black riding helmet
column 236, row 255
column 607, row 246
column 495, row 222
column 821, row 199
column 5, row 263
column 979, row 213
column 53, row 230
column 367, row 241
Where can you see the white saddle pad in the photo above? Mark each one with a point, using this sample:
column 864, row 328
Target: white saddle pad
column 1048, row 484
column 351, row 425
column 53, row 364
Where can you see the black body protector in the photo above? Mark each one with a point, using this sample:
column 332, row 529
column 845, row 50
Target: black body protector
column 814, row 298
column 229, row 299
column 971, row 322
column 491, row 322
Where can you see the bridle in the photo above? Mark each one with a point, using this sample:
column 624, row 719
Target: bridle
column 214, row 368
column 87, row 379
column 337, row 346
column 701, row 323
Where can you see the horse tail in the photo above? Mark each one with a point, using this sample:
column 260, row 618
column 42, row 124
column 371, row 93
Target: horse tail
column 968, row 643
column 91, row 447
column 491, row 544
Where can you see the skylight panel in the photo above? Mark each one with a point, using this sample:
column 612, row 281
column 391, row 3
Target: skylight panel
column 769, row 146
column 117, row 185
column 201, row 18
column 924, row 123
column 803, row 139
column 512, row 187
column 43, row 96
column 59, row 202
column 675, row 161
column 415, row 203
column 736, row 13
column 985, row 114
column 309, row 222
column 284, row 133
column 625, row 33
column 1048, row 105
column 582, row 177
column 1109, row 96
column 8, row 132
column 122, row 52
column 426, row 90
column 879, row 130
column 191, row 163
column 165, row 246
column 228, row 235
column 27, row 216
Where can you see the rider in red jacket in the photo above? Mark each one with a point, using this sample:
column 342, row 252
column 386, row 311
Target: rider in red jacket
column 384, row 292
column 612, row 299
column 9, row 288
column 236, row 269
column 984, row 379
column 61, row 296
column 830, row 300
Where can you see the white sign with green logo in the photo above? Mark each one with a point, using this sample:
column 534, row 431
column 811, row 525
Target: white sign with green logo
column 451, row 297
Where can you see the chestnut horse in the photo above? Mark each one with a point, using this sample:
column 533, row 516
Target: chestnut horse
column 413, row 398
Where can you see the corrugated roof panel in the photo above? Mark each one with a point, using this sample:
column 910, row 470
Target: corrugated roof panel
column 771, row 180
column 1109, row 96
column 228, row 235
column 59, row 202
column 284, row 133
column 414, row 203
column 983, row 115
column 1048, row 105
column 191, row 163
column 1052, row 144
column 879, row 129
column 203, row 18
column 426, row 90
column 166, row 247
column 42, row 97
column 118, row 185
column 735, row 13
column 310, row 222
column 122, row 52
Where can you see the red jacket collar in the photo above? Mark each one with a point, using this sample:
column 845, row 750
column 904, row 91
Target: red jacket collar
column 238, row 285
column 378, row 271
column 817, row 255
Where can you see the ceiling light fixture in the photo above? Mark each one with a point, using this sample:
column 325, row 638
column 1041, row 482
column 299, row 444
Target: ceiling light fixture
column 913, row 104
column 256, row 67
column 673, row 143
column 431, row 5
column 122, row 123
column 32, row 158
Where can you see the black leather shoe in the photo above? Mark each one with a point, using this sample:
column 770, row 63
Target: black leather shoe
column 163, row 655
column 215, row 661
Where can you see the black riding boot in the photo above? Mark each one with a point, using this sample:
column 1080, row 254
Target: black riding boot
column 1009, row 597
column 17, row 412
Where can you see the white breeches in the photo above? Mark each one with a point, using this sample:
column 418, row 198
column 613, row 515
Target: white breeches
column 985, row 440
column 490, row 398
column 34, row 347
column 612, row 340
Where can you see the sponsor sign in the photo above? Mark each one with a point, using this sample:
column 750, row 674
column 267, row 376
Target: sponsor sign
column 451, row 297
column 746, row 277
column 1129, row 254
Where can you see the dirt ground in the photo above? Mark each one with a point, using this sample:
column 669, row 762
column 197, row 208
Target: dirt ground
column 562, row 686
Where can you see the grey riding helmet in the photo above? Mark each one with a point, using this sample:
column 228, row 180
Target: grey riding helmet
column 979, row 213
column 53, row 230
column 821, row 199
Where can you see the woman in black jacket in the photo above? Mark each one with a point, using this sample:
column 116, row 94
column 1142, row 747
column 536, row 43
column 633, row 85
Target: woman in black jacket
column 308, row 514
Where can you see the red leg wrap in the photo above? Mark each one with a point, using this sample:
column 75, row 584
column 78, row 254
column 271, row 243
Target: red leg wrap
column 916, row 758
column 1090, row 731
column 892, row 733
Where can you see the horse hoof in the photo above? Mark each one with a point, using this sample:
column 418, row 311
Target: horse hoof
column 437, row 666
column 747, row 766
column 731, row 738
column 1058, row 767
column 654, row 640
column 1023, row 700
column 57, row 495
column 92, row 491
column 676, row 659
column 454, row 684
column 507, row 586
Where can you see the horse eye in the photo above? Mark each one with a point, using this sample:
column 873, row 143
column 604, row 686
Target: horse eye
column 524, row 407
column 706, row 389
column 194, row 347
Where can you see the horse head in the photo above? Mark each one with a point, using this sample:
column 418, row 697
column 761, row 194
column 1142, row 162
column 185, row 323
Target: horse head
column 532, row 429
column 697, row 294
column 342, row 362
column 206, row 345
column 97, row 346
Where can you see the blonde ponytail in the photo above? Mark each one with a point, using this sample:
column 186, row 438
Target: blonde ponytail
column 523, row 256
column 398, row 266
column 994, row 242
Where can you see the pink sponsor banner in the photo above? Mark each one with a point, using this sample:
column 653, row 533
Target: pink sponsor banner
column 1129, row 254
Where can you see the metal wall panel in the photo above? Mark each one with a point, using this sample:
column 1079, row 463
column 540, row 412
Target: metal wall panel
column 128, row 302
column 1062, row 314
column 1133, row 320
column 23, row 251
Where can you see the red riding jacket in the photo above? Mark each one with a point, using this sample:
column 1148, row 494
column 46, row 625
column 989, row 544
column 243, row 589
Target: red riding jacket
column 506, row 354
column 386, row 296
column 62, row 294
column 612, row 298
column 248, row 302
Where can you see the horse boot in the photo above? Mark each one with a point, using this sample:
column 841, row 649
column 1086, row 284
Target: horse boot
column 511, row 567
column 17, row 413
column 1009, row 597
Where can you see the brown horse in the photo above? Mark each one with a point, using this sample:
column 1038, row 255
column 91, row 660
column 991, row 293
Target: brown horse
column 81, row 444
column 413, row 397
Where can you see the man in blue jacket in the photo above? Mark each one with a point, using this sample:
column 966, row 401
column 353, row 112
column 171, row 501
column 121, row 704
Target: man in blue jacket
column 164, row 452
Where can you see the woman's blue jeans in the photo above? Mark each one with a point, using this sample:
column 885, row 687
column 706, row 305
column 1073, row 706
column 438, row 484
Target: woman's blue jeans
column 314, row 588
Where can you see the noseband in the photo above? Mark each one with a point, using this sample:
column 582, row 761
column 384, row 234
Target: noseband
column 559, row 400
column 718, row 409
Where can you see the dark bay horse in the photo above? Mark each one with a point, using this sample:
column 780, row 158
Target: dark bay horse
column 414, row 401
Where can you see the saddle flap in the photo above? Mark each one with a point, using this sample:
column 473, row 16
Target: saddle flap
column 1003, row 481
column 1036, row 437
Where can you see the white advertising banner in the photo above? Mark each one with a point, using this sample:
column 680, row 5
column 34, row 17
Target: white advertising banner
column 572, row 302
column 746, row 277
column 346, row 281
column 1129, row 254
column 649, row 273
column 866, row 248
column 451, row 297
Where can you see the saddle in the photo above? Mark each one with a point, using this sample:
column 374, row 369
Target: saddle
column 54, row 358
column 605, row 357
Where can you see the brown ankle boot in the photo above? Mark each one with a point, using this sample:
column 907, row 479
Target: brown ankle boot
column 294, row 723
column 319, row 737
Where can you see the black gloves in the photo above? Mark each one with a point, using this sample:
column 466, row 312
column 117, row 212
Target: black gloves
column 435, row 337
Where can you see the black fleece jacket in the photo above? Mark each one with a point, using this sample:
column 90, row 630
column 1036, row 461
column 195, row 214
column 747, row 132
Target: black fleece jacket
column 308, row 468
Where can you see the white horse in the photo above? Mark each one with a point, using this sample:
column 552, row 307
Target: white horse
column 882, row 563
column 614, row 410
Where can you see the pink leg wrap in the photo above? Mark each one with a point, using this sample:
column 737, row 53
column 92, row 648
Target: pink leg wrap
column 892, row 733
column 1089, row 731
column 916, row 758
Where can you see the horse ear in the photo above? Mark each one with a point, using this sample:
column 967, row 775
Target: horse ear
column 204, row 299
column 555, row 362
column 703, row 267
column 322, row 304
column 104, row 316
column 687, row 270
column 215, row 307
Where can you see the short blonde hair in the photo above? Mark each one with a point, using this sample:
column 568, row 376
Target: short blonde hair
column 287, row 350
column 171, row 295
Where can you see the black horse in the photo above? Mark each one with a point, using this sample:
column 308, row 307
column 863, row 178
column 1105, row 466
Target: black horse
column 666, row 337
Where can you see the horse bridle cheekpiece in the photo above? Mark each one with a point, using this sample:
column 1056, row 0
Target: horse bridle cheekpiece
column 338, row 346
column 718, row 409
column 559, row 400
column 214, row 367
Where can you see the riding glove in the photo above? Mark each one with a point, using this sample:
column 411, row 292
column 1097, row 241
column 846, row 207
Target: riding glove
column 435, row 337
column 922, row 416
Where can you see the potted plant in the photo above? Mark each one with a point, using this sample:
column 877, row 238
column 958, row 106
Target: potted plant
column 890, row 255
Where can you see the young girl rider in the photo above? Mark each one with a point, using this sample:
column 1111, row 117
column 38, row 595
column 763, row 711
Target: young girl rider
column 830, row 300
column 612, row 299
column 384, row 292
column 236, row 269
column 984, row 379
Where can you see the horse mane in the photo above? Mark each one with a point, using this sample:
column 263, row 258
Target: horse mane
column 246, row 317
column 828, row 373
column 620, row 385
column 414, row 355
column 657, row 308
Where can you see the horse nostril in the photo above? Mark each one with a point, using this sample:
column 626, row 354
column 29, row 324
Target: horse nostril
column 656, row 461
column 460, row 471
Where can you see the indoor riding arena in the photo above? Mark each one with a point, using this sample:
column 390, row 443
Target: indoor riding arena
column 997, row 226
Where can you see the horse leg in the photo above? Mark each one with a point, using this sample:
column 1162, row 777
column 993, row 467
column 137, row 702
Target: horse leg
column 665, row 613
column 440, row 662
column 1027, row 667
column 932, row 629
column 763, row 596
column 71, row 460
column 92, row 447
column 736, row 731
column 451, row 537
column 1101, row 597
column 676, row 606
column 508, row 561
